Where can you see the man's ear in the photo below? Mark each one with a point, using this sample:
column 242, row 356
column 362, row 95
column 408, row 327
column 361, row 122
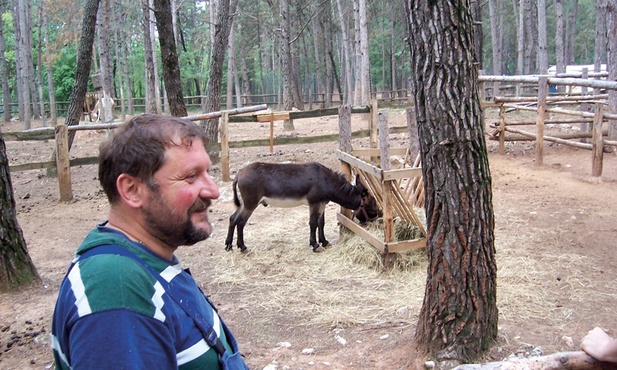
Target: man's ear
column 131, row 190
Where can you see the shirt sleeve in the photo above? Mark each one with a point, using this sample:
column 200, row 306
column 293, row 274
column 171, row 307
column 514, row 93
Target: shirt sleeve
column 121, row 339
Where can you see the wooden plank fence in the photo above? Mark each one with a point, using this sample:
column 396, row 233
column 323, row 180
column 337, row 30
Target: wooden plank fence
column 545, row 105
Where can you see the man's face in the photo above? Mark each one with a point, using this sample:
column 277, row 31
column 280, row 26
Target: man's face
column 176, row 211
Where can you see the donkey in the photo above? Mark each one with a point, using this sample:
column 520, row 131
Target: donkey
column 291, row 185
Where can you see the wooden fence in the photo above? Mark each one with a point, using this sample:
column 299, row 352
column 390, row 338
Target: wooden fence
column 544, row 105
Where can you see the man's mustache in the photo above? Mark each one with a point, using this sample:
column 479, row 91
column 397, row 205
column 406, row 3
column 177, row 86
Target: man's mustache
column 199, row 206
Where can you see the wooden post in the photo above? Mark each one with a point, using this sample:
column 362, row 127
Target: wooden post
column 63, row 165
column 388, row 202
column 373, row 124
column 542, row 94
column 344, row 144
column 271, row 132
column 224, row 131
column 412, row 126
column 584, row 126
column 502, row 129
column 597, row 142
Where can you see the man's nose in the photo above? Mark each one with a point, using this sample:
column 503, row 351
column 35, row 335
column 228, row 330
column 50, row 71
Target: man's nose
column 209, row 189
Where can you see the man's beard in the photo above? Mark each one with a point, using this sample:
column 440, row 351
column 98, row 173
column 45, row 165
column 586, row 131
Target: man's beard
column 169, row 228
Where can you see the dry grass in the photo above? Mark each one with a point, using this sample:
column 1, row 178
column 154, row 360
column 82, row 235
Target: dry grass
column 347, row 286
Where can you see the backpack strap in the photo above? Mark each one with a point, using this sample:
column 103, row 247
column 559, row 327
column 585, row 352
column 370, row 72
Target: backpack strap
column 202, row 324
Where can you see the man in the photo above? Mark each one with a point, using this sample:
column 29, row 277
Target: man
column 126, row 302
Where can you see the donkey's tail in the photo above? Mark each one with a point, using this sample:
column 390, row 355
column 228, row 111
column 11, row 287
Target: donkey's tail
column 235, row 187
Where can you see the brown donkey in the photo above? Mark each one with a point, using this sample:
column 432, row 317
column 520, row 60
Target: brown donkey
column 291, row 185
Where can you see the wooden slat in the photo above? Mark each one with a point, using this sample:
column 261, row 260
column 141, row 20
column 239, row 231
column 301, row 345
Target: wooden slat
column 374, row 152
column 355, row 162
column 403, row 173
column 375, row 242
column 273, row 117
column 406, row 245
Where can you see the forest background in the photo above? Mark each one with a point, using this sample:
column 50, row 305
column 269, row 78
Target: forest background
column 356, row 47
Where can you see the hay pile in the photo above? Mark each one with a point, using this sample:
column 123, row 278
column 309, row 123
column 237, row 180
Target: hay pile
column 343, row 286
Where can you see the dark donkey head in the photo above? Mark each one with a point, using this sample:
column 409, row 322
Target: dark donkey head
column 290, row 185
column 369, row 210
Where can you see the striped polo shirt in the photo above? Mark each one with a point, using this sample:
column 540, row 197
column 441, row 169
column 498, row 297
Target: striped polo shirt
column 112, row 313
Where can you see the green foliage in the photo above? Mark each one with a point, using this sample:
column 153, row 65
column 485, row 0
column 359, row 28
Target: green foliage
column 63, row 73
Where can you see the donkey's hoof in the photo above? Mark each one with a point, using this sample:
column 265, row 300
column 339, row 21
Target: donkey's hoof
column 319, row 249
column 243, row 249
column 228, row 248
column 326, row 244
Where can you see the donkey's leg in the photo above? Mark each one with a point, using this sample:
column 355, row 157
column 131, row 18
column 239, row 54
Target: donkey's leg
column 233, row 220
column 316, row 214
column 241, row 221
column 320, row 225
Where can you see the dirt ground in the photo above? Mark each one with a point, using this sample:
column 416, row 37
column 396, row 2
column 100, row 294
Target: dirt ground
column 555, row 240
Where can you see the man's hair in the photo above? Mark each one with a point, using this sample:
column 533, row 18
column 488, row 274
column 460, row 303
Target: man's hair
column 138, row 148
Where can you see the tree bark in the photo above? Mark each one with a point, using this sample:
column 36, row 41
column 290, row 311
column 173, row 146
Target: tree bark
column 458, row 319
column 50, row 77
column 149, row 62
column 16, row 267
column 169, row 58
column 6, row 94
column 611, row 62
column 365, row 70
column 495, row 44
column 212, row 102
column 542, row 38
column 84, row 61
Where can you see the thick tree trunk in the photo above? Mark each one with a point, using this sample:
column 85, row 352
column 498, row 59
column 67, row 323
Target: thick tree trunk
column 169, row 58
column 458, row 319
column 16, row 267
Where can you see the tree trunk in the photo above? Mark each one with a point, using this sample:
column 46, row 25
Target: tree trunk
column 611, row 62
column 16, row 267
column 347, row 55
column 23, row 93
column 6, row 94
column 571, row 34
column 495, row 44
column 212, row 102
column 365, row 70
column 599, row 55
column 103, row 32
column 458, row 319
column 531, row 37
column 50, row 77
column 169, row 58
column 559, row 41
column 231, row 68
column 149, row 61
column 542, row 38
column 84, row 61
column 520, row 35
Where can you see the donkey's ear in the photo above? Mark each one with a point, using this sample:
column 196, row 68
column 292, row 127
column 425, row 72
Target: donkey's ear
column 359, row 184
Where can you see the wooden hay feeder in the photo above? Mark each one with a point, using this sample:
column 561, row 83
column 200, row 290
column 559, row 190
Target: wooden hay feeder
column 396, row 191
